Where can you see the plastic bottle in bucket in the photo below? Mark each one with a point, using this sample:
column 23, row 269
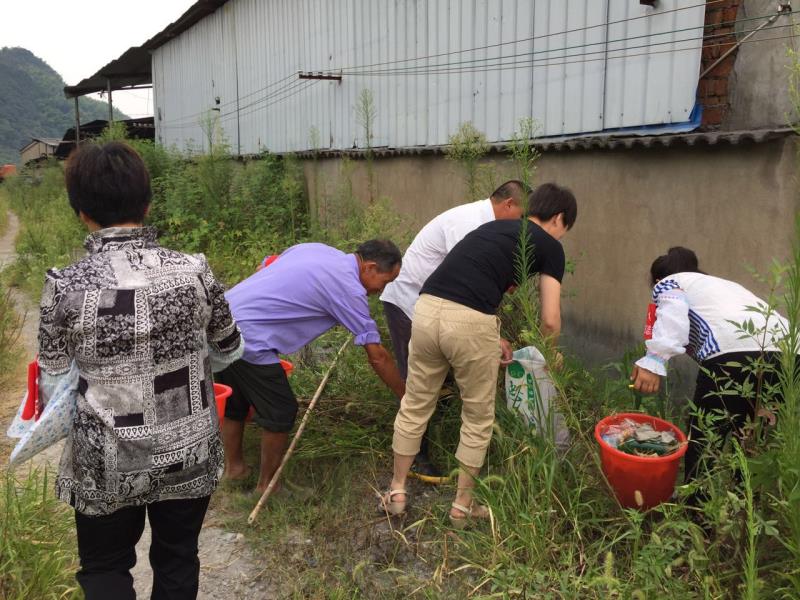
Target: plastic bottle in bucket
column 640, row 481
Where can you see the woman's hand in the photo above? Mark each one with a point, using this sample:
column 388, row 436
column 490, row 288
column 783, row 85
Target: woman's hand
column 506, row 353
column 645, row 381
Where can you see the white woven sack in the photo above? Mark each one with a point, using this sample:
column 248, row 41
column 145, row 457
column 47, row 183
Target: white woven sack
column 531, row 394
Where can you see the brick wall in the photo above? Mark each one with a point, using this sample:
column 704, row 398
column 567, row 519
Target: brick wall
column 712, row 91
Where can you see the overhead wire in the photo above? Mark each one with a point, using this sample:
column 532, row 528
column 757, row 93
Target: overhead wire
column 502, row 64
column 238, row 110
column 452, row 68
column 288, row 93
column 230, row 115
column 704, row 37
column 538, row 37
column 277, row 98
column 229, row 102
column 461, row 51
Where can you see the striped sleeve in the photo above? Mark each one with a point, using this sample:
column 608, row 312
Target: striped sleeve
column 671, row 329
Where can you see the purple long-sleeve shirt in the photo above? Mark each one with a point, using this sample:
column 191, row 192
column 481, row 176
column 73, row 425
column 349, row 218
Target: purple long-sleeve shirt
column 300, row 296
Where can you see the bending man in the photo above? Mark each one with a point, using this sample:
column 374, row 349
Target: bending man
column 309, row 289
column 424, row 255
column 455, row 325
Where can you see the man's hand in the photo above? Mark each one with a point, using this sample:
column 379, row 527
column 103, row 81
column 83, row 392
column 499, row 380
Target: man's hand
column 506, row 353
column 645, row 381
column 558, row 361
column 384, row 366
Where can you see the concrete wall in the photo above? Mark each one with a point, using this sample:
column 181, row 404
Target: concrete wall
column 758, row 84
column 734, row 205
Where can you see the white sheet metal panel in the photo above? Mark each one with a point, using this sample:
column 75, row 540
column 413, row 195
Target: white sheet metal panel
column 575, row 66
column 653, row 62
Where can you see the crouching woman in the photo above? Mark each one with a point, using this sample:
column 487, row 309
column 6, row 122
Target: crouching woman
column 143, row 325
column 700, row 315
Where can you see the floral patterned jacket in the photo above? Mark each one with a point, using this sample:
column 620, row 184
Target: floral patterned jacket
column 141, row 322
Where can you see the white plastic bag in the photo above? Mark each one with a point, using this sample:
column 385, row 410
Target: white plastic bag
column 54, row 423
column 19, row 426
column 530, row 393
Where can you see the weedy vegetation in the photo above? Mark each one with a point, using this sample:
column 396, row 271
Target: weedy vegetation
column 556, row 531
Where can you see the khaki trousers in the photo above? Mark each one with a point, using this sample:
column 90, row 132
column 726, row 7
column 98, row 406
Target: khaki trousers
column 445, row 334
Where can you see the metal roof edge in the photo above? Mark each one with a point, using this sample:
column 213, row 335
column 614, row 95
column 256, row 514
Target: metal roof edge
column 576, row 143
column 195, row 13
column 133, row 67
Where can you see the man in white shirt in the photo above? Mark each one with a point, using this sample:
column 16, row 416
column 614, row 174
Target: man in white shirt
column 423, row 256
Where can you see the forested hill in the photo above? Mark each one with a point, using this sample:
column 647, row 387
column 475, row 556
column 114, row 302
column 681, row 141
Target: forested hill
column 32, row 103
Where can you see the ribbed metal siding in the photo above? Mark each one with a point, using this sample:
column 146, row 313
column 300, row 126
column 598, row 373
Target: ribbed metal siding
column 584, row 80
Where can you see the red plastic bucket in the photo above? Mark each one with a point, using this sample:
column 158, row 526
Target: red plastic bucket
column 221, row 393
column 653, row 477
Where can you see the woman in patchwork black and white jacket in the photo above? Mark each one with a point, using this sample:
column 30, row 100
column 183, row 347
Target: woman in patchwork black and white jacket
column 142, row 324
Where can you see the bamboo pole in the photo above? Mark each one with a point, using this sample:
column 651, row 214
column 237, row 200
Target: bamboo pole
column 297, row 435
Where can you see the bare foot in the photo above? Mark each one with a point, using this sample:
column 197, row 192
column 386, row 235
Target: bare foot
column 237, row 473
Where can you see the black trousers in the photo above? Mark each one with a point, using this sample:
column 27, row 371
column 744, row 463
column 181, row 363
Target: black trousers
column 107, row 550
column 733, row 411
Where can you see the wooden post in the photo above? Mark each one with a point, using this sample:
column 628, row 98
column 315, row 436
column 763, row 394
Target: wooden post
column 110, row 104
column 77, row 122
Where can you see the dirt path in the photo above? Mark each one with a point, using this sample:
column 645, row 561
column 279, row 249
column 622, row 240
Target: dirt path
column 228, row 567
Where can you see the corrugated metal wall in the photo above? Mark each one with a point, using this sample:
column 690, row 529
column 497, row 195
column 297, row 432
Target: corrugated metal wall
column 576, row 66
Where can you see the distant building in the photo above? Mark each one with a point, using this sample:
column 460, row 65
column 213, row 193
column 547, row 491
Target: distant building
column 38, row 149
column 136, row 129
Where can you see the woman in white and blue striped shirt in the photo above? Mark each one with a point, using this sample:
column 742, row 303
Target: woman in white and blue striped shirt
column 721, row 325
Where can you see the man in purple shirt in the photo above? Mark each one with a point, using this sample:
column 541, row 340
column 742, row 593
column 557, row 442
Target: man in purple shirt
column 306, row 291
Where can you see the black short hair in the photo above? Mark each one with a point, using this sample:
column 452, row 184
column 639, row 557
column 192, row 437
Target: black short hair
column 549, row 199
column 383, row 252
column 109, row 183
column 677, row 260
column 513, row 188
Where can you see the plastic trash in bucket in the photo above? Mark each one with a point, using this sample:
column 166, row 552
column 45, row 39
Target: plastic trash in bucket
column 652, row 476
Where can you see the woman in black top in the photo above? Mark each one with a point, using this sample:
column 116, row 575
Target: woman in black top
column 455, row 326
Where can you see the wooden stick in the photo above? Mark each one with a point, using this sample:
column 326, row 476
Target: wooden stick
column 296, row 437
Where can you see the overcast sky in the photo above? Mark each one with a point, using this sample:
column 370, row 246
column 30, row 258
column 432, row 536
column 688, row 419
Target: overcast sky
column 78, row 37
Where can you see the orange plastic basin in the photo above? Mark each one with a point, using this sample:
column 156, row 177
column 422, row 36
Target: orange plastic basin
column 221, row 394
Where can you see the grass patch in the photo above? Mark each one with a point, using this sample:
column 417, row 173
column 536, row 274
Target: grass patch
column 38, row 550
column 3, row 210
column 50, row 234
column 10, row 324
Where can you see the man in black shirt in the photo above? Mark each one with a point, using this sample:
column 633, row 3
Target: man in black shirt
column 455, row 326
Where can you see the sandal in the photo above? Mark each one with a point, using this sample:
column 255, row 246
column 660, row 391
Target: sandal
column 474, row 511
column 390, row 506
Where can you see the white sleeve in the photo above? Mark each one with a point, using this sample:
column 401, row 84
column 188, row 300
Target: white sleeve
column 670, row 332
